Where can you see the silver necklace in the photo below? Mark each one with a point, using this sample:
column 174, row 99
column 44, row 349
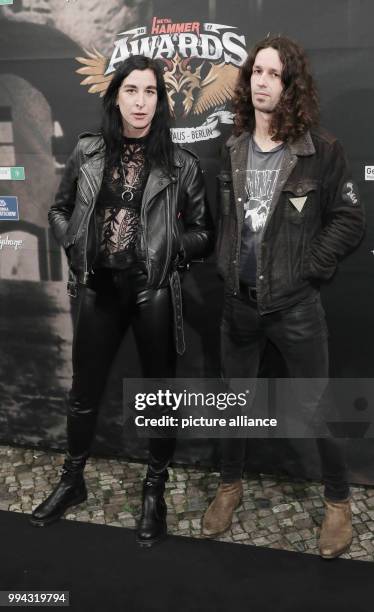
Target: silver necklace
column 129, row 190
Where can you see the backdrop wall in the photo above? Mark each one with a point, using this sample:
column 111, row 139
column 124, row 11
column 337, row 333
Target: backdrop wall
column 44, row 106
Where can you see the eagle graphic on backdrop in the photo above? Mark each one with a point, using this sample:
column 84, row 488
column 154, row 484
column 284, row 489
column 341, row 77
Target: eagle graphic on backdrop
column 199, row 93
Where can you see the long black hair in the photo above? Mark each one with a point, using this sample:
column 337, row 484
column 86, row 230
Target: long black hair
column 159, row 147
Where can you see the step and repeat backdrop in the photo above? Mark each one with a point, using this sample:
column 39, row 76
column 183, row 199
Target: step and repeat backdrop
column 47, row 51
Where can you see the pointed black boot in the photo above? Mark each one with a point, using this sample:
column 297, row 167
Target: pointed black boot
column 70, row 491
column 152, row 525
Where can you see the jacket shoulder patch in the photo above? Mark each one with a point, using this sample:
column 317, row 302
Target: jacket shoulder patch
column 350, row 193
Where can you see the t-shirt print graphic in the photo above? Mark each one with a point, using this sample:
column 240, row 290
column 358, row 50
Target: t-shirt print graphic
column 260, row 186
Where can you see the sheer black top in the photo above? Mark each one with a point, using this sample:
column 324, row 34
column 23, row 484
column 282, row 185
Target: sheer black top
column 118, row 206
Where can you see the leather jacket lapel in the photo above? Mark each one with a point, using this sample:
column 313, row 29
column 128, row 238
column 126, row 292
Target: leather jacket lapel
column 157, row 181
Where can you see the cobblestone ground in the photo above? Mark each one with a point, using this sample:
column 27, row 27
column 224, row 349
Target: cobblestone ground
column 277, row 513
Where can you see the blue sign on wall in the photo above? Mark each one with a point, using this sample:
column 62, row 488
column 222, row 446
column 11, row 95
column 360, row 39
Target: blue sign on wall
column 9, row 208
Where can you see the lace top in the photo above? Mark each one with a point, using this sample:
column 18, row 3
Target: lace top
column 118, row 206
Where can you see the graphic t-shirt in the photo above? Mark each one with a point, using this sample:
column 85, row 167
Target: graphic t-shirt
column 262, row 173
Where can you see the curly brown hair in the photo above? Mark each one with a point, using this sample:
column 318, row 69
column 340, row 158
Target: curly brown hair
column 298, row 108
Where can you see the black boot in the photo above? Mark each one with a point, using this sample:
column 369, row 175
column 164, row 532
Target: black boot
column 152, row 525
column 70, row 491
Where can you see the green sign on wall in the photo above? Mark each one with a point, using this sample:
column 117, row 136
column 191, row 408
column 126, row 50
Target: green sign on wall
column 12, row 173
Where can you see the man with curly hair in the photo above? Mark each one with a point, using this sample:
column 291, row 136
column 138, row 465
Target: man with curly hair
column 289, row 211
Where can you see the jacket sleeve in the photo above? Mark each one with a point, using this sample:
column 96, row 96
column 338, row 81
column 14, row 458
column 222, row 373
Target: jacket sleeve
column 63, row 206
column 197, row 238
column 343, row 219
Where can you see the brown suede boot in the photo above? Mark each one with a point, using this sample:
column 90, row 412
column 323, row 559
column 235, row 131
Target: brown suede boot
column 336, row 531
column 218, row 516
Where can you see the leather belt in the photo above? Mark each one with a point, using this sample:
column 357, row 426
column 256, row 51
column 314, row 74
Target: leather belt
column 176, row 298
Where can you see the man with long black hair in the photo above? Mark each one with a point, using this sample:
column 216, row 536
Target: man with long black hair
column 289, row 212
column 129, row 211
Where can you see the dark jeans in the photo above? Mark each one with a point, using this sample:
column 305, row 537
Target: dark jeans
column 300, row 334
column 111, row 302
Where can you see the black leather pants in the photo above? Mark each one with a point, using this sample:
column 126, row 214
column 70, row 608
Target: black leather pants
column 111, row 302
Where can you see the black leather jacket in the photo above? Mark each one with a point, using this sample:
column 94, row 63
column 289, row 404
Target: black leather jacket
column 174, row 224
column 174, row 215
column 315, row 219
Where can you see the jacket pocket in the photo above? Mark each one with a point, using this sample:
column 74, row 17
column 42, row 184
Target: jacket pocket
column 300, row 198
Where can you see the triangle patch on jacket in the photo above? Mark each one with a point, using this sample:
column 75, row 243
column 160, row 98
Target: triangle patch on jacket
column 299, row 202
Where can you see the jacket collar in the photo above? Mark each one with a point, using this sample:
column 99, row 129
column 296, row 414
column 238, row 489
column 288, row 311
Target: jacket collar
column 235, row 141
column 156, row 182
column 302, row 147
column 94, row 144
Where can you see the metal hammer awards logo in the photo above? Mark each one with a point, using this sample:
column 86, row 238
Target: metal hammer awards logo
column 201, row 65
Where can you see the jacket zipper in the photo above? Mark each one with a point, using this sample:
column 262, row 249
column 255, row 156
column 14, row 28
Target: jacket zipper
column 168, row 239
column 144, row 225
